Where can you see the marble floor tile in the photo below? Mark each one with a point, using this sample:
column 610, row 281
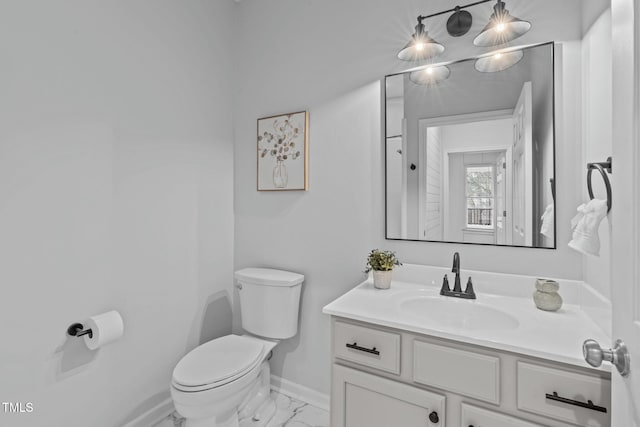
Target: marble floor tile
column 290, row 412
column 295, row 413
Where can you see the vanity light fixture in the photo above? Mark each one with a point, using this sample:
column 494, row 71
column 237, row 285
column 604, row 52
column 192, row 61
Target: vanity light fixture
column 498, row 61
column 431, row 75
column 502, row 27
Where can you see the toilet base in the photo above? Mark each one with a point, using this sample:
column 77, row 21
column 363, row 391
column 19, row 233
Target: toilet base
column 259, row 407
column 262, row 417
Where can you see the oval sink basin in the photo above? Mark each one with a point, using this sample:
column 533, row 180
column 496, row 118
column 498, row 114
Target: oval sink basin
column 458, row 313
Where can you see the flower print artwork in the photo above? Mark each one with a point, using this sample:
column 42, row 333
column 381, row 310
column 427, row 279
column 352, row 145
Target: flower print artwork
column 282, row 152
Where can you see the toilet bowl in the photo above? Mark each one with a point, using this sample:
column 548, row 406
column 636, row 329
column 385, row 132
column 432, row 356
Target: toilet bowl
column 211, row 384
column 226, row 382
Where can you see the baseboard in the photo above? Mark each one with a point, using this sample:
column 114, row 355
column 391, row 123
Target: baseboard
column 153, row 415
column 300, row 392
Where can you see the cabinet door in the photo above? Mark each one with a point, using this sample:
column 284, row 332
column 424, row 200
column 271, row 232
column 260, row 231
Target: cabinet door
column 478, row 417
column 359, row 399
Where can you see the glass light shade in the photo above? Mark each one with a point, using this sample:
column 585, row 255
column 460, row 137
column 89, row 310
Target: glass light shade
column 430, row 76
column 502, row 28
column 498, row 61
column 421, row 46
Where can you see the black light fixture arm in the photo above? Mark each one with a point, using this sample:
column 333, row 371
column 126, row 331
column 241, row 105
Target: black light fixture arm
column 455, row 9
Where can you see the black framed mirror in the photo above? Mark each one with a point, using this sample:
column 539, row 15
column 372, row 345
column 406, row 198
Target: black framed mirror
column 470, row 150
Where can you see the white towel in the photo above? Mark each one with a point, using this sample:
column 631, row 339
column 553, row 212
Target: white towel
column 585, row 227
column 548, row 222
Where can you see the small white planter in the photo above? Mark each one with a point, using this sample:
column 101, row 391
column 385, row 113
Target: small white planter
column 382, row 279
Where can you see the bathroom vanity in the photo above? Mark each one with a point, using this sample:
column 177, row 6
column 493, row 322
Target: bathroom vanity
column 410, row 357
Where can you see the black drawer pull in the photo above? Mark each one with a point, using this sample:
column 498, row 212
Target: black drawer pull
column 355, row 346
column 588, row 405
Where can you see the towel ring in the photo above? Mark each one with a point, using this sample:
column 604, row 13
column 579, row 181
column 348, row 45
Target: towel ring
column 600, row 167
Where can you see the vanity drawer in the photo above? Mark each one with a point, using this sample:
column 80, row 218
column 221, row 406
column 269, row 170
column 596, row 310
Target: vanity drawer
column 478, row 417
column 558, row 394
column 463, row 372
column 366, row 346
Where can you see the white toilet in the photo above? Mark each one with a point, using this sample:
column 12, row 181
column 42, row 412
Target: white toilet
column 226, row 382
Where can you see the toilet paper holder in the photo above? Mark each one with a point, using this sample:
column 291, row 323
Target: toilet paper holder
column 76, row 330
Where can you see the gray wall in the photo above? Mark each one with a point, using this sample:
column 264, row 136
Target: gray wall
column 328, row 56
column 116, row 157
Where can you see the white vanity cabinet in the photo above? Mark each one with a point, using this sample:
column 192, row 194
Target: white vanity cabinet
column 383, row 377
column 368, row 400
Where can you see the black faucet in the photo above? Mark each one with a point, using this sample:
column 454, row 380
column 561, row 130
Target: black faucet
column 456, row 269
column 457, row 289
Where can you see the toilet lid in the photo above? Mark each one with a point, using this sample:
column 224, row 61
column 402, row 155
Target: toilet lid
column 218, row 360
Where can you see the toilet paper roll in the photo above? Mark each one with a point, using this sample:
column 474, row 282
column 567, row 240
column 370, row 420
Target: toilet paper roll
column 105, row 327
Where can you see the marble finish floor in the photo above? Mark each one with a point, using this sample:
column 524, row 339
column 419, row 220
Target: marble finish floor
column 295, row 413
column 290, row 413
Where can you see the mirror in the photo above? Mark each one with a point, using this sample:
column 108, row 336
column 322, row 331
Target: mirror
column 470, row 151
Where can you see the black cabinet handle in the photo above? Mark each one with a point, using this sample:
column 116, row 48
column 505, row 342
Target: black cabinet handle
column 355, row 346
column 588, row 405
column 433, row 417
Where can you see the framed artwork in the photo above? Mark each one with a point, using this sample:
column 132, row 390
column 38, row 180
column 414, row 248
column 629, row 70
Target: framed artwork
column 282, row 152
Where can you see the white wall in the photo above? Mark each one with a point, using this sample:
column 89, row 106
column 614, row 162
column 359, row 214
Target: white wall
column 597, row 135
column 115, row 193
column 328, row 56
column 478, row 136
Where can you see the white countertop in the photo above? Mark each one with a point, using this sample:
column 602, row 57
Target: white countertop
column 556, row 336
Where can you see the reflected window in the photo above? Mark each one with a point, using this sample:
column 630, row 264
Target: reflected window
column 480, row 194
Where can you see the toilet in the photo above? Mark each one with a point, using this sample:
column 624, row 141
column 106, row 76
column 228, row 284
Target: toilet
column 226, row 382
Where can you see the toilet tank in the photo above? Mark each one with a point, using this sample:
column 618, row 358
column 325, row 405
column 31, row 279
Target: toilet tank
column 269, row 301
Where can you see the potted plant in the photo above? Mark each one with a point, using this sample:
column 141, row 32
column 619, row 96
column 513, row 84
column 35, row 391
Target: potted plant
column 382, row 263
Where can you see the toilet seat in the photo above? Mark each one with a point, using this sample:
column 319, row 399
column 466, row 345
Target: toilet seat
column 218, row 362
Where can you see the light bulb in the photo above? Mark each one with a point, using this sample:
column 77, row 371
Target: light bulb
column 420, row 46
column 429, row 70
column 500, row 27
column 497, row 56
